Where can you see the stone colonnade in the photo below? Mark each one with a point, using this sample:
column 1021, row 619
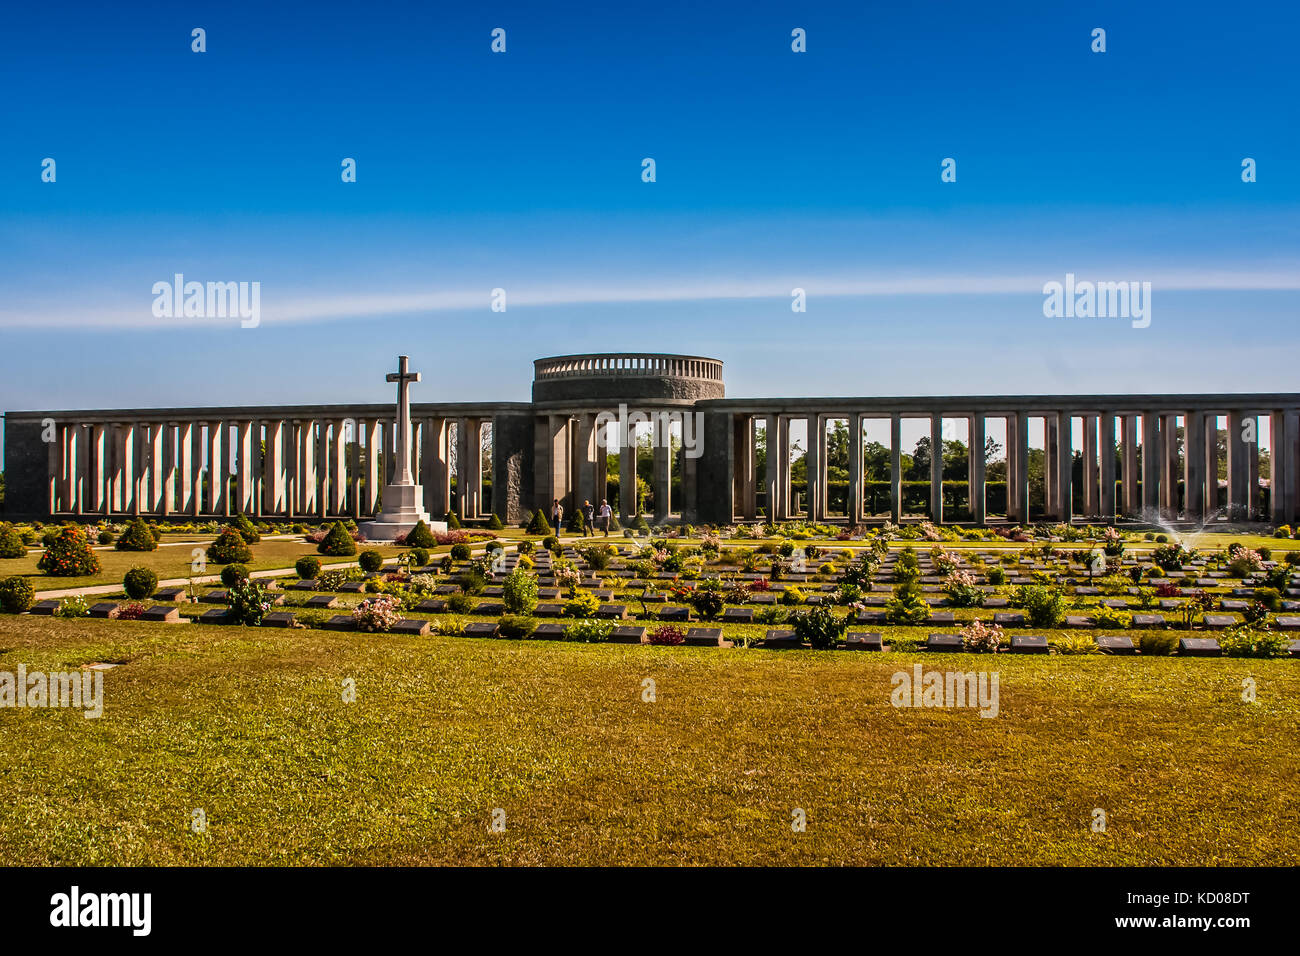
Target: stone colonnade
column 1177, row 480
column 278, row 463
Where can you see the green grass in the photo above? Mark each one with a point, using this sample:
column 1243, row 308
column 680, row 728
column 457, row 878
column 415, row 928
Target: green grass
column 250, row 726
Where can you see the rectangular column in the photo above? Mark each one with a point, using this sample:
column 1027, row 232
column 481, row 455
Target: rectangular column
column 128, row 439
column 98, row 469
column 585, row 461
column 218, row 457
column 813, row 469
column 324, row 462
column 1238, row 470
column 1022, row 467
column 185, row 467
column 1211, row 465
column 167, row 481
column 373, row 449
column 1151, row 465
column 1051, row 502
column 1128, row 440
column 1194, row 463
column 1090, row 503
column 936, row 468
column 339, row 467
column 663, row 476
column 975, row 453
column 1252, row 468
column 627, row 503
column 1169, row 469
column 772, row 475
column 783, row 496
column 895, row 468
column 1064, row 466
column 53, row 462
column 853, row 508
column 1107, row 439
column 246, row 453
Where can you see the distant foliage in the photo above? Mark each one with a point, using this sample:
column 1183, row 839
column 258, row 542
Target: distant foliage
column 11, row 543
column 229, row 548
column 69, row 555
column 137, row 537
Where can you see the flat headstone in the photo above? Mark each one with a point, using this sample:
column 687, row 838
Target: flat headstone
column 1199, row 647
column 1115, row 644
column 432, row 606
column 307, row 584
column 321, row 601
column 340, row 622
column 216, row 615
column 1087, row 591
column 1287, row 623
column 103, row 608
column 628, row 634
column 1078, row 620
column 493, row 592
column 443, row 589
column 863, row 641
column 1028, row 644
column 278, row 619
column 162, row 613
column 941, row 617
column 997, row 602
column 738, row 615
column 1234, row 605
column 943, row 642
column 705, row 637
column 549, row 631
column 548, row 610
column 1220, row 620
column 871, row 617
column 1115, row 603
column 674, row 614
column 548, row 594
column 616, row 612
column 214, row 597
column 481, row 629
column 171, row 594
column 1148, row 620
column 410, row 625
column 490, row 609
column 1009, row 618
column 781, row 638
column 1295, row 649
column 357, row 587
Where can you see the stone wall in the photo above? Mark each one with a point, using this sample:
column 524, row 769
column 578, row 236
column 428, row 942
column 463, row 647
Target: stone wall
column 26, row 466
column 512, row 467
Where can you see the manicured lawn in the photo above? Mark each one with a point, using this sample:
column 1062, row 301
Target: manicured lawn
column 250, row 726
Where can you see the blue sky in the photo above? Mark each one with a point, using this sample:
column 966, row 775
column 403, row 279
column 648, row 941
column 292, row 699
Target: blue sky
column 522, row 171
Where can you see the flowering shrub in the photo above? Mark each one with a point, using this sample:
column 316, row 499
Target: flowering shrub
column 377, row 614
column 980, row 637
column 1110, row 618
column 961, row 589
column 519, row 592
column 667, row 634
column 593, row 632
column 819, row 627
column 137, row 537
column 247, row 602
column 581, row 604
column 73, row 607
column 16, row 594
column 69, row 555
column 1248, row 642
column 944, row 561
column 567, row 577
column 1043, row 605
column 128, row 611
column 1171, row 557
column 1245, row 562
column 419, row 583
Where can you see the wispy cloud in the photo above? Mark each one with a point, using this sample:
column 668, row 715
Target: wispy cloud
column 112, row 309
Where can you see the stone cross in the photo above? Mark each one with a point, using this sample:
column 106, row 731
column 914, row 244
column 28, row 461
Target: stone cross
column 403, row 377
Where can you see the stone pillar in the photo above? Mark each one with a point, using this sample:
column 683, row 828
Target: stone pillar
column 1238, row 468
column 1212, row 464
column 783, row 495
column 772, row 475
column 1128, row 430
column 126, row 468
column 1169, row 467
column 308, row 479
column 1022, row 467
column 1290, row 451
column 369, row 497
column 813, row 467
column 975, row 454
column 1051, row 472
column 218, row 498
column 185, row 466
column 627, row 475
column 245, row 467
column 473, row 490
column 338, row 455
column 67, row 435
column 1278, row 506
column 167, row 474
column 1194, row 507
column 1013, row 484
column 1090, row 505
column 853, row 509
column 437, row 478
column 324, row 461
column 1252, row 469
column 1064, row 467
column 53, row 462
column 662, row 444
column 585, row 462
column 745, row 476
column 936, row 468
column 98, row 469
column 1107, row 440
column 895, row 468
column 1151, row 462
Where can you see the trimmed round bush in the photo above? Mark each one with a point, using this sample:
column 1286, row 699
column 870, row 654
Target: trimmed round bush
column 494, row 523
column 137, row 537
column 229, row 548
column 140, row 583
column 69, row 555
column 538, row 524
column 551, row 543
column 453, row 522
column 337, row 542
column 105, row 537
column 460, row 552
column 16, row 594
column 370, row 560
column 307, row 567
column 232, row 574
column 420, row 536
column 419, row 557
column 11, row 543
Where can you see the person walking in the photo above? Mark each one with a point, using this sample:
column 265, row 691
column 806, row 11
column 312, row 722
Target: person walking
column 557, row 515
column 605, row 514
column 588, row 518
